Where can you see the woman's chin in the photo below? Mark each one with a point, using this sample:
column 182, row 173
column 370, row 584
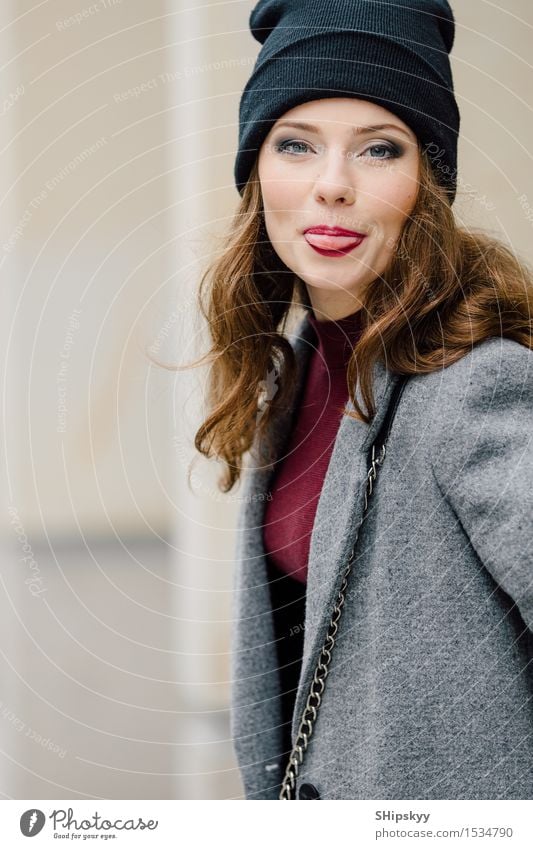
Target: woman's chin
column 331, row 282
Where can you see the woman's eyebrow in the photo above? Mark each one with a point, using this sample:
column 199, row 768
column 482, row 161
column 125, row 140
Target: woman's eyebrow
column 357, row 131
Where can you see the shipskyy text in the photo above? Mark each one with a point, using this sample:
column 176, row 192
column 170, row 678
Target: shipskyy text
column 411, row 816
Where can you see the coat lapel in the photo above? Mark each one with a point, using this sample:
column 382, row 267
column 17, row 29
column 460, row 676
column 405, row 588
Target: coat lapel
column 339, row 510
column 256, row 711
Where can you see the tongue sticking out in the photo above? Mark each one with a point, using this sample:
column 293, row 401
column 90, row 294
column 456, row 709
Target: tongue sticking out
column 332, row 243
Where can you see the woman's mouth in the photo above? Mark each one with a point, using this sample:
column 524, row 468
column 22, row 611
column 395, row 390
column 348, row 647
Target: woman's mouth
column 332, row 245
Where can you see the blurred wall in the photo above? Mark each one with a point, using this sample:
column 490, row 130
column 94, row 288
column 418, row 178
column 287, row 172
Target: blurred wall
column 493, row 78
column 90, row 699
column 83, row 245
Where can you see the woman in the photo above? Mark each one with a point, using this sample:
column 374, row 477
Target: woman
column 419, row 584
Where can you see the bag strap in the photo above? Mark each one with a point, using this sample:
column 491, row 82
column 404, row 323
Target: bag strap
column 310, row 712
column 386, row 424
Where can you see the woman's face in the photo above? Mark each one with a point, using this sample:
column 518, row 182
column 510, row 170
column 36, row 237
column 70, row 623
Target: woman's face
column 333, row 172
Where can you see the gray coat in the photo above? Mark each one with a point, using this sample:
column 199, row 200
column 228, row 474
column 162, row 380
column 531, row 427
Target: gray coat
column 429, row 693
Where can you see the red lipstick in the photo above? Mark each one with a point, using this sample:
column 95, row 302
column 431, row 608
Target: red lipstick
column 332, row 241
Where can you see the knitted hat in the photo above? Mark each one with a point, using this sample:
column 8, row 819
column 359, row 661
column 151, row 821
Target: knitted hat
column 391, row 52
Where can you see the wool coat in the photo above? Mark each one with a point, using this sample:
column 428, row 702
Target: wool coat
column 429, row 691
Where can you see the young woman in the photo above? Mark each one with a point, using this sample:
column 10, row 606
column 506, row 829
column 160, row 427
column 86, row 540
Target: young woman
column 382, row 641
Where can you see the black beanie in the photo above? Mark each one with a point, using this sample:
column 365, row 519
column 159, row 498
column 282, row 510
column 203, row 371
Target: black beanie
column 391, row 52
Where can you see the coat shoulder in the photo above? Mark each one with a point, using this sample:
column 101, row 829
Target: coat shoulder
column 485, row 396
column 491, row 371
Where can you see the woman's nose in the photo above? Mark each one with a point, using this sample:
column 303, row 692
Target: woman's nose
column 335, row 179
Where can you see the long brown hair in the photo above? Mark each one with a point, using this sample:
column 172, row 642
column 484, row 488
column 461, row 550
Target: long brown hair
column 445, row 290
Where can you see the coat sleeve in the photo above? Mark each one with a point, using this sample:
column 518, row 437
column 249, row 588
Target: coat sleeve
column 483, row 460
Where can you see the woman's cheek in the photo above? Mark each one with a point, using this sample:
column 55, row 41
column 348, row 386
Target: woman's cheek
column 283, row 198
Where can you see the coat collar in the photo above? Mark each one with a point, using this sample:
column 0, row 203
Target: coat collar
column 340, row 506
column 303, row 344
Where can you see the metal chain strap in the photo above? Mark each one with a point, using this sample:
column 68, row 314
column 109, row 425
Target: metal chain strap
column 319, row 679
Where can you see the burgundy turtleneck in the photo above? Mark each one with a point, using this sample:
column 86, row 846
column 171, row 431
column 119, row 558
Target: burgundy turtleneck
column 299, row 475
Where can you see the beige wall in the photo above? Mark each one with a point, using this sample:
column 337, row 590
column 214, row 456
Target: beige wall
column 83, row 245
column 87, row 656
column 493, row 80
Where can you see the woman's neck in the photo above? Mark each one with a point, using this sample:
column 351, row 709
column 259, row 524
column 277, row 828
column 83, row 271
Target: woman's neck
column 336, row 338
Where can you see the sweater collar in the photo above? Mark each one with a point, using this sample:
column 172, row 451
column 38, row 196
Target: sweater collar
column 336, row 338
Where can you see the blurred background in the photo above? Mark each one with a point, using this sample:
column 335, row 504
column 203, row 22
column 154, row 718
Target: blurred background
column 119, row 130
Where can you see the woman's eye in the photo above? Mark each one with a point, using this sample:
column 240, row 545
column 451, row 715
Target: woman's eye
column 283, row 146
column 392, row 150
column 386, row 151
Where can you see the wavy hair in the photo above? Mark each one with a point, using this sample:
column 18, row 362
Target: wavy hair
column 445, row 289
